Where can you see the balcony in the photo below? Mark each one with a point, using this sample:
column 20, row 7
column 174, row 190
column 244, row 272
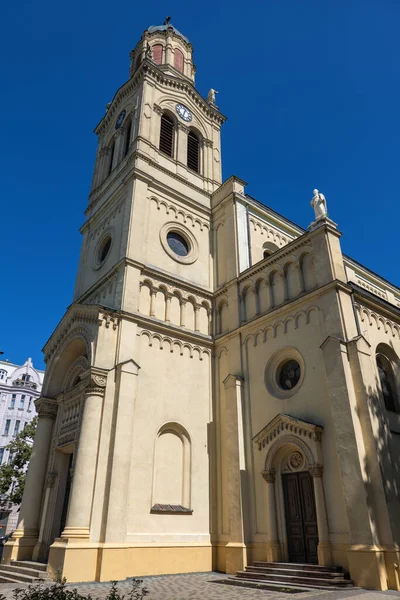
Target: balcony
column 25, row 384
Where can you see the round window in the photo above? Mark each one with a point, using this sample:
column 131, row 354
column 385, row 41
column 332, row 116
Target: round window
column 177, row 243
column 104, row 249
column 288, row 375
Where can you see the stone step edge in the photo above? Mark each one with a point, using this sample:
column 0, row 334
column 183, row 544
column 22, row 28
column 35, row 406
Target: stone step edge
column 19, row 577
column 311, row 567
column 265, row 576
column 4, row 579
column 24, row 571
column 265, row 585
column 29, row 564
column 286, row 584
column 271, row 570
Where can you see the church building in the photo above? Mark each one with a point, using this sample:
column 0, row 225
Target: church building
column 225, row 386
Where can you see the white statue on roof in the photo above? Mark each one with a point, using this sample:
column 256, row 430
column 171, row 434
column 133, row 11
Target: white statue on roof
column 211, row 96
column 319, row 205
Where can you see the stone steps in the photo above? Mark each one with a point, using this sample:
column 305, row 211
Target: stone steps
column 292, row 576
column 298, row 566
column 23, row 571
column 295, row 572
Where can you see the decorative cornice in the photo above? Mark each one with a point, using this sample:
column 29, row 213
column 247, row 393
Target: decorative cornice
column 149, row 69
column 287, row 425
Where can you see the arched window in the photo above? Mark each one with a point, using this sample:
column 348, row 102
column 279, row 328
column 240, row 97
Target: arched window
column 388, row 383
column 269, row 248
column 193, row 152
column 110, row 164
column 127, row 137
column 167, row 135
column 157, row 53
column 178, row 60
column 3, row 374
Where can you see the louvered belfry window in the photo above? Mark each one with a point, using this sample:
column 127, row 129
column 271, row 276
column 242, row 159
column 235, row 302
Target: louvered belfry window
column 167, row 135
column 193, row 152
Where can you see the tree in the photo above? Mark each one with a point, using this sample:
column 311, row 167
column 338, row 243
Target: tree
column 13, row 473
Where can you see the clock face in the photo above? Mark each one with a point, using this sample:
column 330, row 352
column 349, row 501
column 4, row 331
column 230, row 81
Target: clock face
column 120, row 119
column 183, row 112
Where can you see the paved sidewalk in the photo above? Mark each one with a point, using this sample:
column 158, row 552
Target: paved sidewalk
column 205, row 586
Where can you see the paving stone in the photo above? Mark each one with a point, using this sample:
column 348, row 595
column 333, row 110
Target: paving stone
column 203, row 586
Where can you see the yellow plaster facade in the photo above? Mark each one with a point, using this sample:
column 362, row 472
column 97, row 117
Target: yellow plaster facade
column 218, row 367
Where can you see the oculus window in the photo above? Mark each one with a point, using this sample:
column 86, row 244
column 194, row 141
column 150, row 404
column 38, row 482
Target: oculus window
column 177, row 243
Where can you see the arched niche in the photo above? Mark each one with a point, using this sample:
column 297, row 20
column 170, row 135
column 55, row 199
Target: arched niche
column 172, row 467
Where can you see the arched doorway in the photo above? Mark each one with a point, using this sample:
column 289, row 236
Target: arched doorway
column 296, row 514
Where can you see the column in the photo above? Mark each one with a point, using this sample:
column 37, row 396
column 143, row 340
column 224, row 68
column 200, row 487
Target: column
column 273, row 546
column 300, row 281
column 153, row 294
column 39, row 552
column 196, row 317
column 181, row 144
column 168, row 308
column 324, row 545
column 24, row 538
column 183, row 312
column 30, row 507
column 80, row 506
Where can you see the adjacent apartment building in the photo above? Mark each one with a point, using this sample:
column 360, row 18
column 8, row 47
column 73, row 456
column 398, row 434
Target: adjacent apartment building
column 20, row 385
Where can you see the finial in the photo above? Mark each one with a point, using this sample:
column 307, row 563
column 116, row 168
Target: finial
column 167, row 20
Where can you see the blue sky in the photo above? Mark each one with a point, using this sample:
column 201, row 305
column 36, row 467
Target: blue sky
column 311, row 89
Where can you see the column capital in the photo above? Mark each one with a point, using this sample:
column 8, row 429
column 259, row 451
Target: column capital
column 46, row 408
column 183, row 127
column 207, row 143
column 157, row 109
column 269, row 476
column 316, row 470
column 94, row 381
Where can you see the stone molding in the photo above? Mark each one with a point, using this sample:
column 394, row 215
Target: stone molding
column 158, row 110
column 174, row 344
column 95, row 381
column 316, row 470
column 183, row 127
column 46, row 408
column 150, row 70
column 180, row 212
column 288, row 425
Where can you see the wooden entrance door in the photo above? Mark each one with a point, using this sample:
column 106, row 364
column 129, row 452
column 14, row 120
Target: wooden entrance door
column 301, row 518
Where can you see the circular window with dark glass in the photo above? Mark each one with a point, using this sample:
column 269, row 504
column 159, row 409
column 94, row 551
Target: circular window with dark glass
column 288, row 375
column 177, row 243
column 104, row 249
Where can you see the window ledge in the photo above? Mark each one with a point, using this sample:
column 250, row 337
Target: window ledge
column 170, row 509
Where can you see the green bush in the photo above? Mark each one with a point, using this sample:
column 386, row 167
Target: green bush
column 59, row 591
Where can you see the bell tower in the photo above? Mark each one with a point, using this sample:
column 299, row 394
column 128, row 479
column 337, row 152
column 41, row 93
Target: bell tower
column 158, row 147
column 127, row 396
